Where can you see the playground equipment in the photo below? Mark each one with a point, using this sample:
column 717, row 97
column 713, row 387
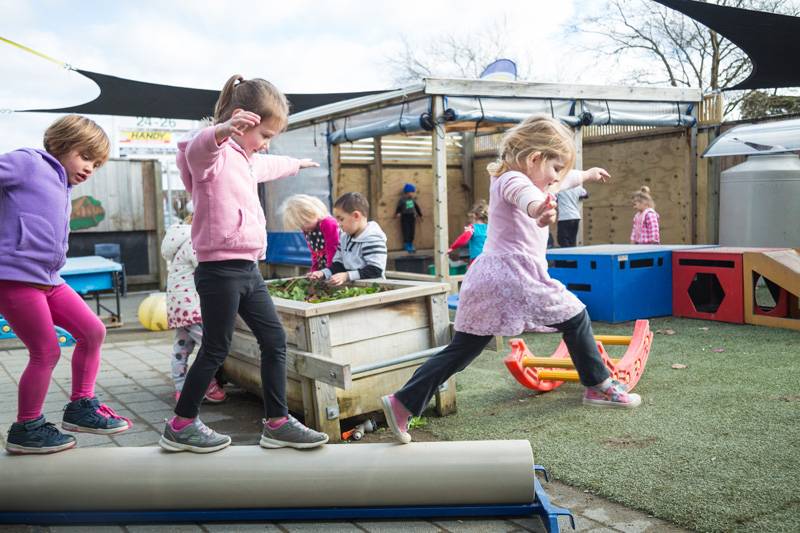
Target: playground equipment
column 64, row 337
column 547, row 373
column 425, row 479
column 153, row 312
column 782, row 269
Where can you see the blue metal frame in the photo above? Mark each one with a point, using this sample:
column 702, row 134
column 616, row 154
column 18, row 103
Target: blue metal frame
column 540, row 507
column 65, row 338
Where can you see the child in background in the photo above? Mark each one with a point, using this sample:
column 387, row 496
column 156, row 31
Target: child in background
column 183, row 305
column 362, row 250
column 508, row 290
column 569, row 215
column 475, row 232
column 309, row 215
column 221, row 167
column 407, row 211
column 35, row 188
column 645, row 222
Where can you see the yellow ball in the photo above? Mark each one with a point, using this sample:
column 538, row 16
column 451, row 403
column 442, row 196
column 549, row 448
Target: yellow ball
column 153, row 312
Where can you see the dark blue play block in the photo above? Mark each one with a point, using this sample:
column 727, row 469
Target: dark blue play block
column 618, row 282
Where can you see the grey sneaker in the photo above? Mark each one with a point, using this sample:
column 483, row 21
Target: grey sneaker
column 292, row 434
column 196, row 437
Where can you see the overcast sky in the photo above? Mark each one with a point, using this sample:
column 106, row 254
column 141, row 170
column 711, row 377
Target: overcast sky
column 300, row 45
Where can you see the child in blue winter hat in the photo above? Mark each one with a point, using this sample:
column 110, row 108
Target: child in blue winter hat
column 408, row 211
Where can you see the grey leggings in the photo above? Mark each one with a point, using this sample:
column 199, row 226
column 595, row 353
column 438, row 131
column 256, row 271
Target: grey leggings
column 465, row 347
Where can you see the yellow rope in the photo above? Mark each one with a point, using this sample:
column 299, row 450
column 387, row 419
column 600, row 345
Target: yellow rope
column 34, row 52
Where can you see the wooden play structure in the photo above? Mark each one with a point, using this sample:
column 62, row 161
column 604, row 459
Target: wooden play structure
column 345, row 354
column 547, row 373
column 439, row 134
column 781, row 269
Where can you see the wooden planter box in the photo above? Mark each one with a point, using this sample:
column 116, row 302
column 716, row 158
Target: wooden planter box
column 334, row 347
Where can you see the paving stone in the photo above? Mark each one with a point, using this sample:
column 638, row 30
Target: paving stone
column 536, row 525
column 86, row 529
column 156, row 418
column 161, row 528
column 477, row 525
column 90, row 439
column 398, row 526
column 149, row 406
column 239, row 528
column 327, row 527
column 134, row 397
column 142, row 438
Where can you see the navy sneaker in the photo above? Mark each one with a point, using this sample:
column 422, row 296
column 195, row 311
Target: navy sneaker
column 88, row 415
column 37, row 436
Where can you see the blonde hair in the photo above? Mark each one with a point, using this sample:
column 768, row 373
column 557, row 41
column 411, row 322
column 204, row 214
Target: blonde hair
column 643, row 195
column 257, row 96
column 302, row 209
column 537, row 133
column 480, row 211
column 74, row 132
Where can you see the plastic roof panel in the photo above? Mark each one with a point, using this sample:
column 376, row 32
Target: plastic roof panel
column 757, row 139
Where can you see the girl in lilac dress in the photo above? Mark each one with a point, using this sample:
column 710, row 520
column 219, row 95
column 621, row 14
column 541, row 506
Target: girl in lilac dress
column 507, row 290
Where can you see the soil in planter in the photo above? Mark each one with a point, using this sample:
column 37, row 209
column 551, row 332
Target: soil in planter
column 317, row 291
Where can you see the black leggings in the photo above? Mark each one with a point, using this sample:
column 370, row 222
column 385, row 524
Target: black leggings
column 465, row 347
column 409, row 225
column 227, row 288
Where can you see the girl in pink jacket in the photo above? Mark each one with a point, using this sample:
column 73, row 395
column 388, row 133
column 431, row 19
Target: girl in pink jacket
column 221, row 167
column 311, row 216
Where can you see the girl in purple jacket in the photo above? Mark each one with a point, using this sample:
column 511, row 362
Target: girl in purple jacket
column 35, row 208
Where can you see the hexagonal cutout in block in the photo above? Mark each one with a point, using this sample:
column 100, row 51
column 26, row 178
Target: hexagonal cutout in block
column 706, row 293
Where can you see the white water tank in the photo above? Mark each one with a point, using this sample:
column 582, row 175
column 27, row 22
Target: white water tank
column 760, row 202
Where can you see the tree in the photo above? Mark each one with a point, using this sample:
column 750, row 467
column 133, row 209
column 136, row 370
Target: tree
column 673, row 48
column 453, row 55
column 762, row 104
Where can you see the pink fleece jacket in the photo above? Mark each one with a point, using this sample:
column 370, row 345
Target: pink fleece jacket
column 228, row 219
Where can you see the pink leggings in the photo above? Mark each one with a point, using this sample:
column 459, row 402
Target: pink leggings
column 32, row 312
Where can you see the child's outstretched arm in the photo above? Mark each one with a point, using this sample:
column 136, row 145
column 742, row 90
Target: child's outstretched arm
column 273, row 167
column 575, row 178
column 462, row 239
column 519, row 191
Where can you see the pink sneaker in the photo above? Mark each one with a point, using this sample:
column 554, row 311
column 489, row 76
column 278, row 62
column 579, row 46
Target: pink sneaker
column 615, row 395
column 397, row 416
column 215, row 393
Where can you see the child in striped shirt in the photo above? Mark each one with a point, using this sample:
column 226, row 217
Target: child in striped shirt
column 362, row 248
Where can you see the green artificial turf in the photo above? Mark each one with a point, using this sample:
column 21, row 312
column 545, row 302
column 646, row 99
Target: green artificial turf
column 714, row 446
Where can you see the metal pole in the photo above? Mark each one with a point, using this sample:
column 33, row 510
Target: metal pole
column 424, row 354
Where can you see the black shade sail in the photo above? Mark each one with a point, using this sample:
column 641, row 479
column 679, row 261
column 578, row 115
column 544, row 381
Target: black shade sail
column 120, row 96
column 772, row 42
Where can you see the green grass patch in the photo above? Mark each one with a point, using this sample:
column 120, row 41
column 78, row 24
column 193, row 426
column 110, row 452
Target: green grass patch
column 714, row 446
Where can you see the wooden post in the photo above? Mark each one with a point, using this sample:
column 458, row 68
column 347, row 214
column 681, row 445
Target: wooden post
column 579, row 166
column 375, row 178
column 160, row 230
column 440, row 335
column 693, row 177
column 441, row 236
column 325, row 405
column 336, row 168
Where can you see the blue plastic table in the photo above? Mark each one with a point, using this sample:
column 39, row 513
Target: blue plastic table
column 94, row 275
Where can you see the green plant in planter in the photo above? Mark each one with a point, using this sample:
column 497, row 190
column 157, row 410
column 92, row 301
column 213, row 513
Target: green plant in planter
column 316, row 291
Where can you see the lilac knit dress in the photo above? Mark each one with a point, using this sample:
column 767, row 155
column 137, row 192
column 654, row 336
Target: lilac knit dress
column 507, row 289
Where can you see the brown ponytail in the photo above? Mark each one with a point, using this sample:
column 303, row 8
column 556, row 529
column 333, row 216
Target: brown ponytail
column 256, row 95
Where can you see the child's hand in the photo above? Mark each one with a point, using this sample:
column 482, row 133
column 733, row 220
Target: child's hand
column 537, row 209
column 546, row 218
column 338, row 279
column 308, row 163
column 238, row 124
column 317, row 274
column 596, row 174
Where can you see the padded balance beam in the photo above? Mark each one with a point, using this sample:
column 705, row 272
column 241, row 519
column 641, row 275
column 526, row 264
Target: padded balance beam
column 473, row 473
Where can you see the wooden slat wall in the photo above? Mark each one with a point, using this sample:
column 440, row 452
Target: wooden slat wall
column 120, row 187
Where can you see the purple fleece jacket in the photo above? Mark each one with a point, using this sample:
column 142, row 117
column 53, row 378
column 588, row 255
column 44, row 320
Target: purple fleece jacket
column 34, row 216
